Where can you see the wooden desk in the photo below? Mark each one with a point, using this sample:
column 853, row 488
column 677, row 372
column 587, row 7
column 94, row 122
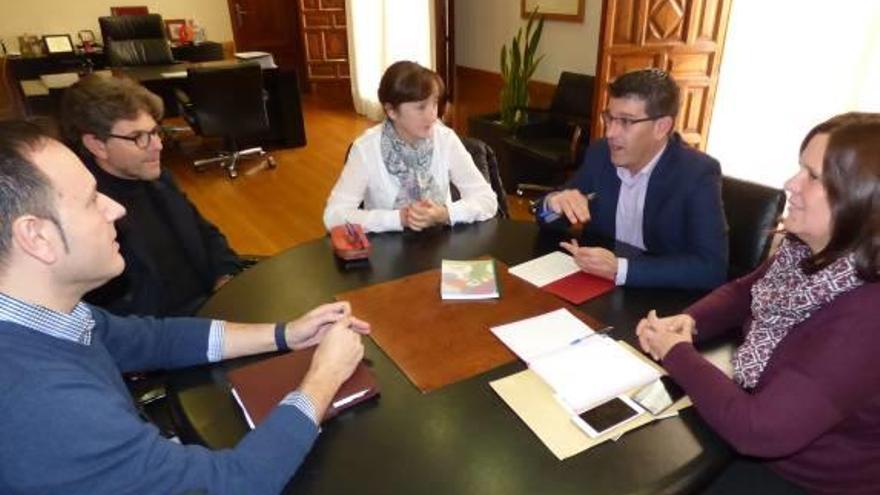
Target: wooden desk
column 283, row 105
column 462, row 438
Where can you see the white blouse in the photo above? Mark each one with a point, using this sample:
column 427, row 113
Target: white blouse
column 365, row 179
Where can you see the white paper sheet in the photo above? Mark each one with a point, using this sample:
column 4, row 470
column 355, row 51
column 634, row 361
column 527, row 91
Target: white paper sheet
column 548, row 268
column 592, row 371
column 539, row 335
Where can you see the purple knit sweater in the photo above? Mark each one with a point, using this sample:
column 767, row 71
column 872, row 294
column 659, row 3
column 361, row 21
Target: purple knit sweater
column 815, row 412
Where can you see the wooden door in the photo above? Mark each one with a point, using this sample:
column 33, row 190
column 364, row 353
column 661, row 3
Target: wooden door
column 325, row 38
column 684, row 37
column 269, row 26
column 444, row 44
column 9, row 107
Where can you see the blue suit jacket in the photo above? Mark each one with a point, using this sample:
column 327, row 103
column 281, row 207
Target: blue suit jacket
column 684, row 227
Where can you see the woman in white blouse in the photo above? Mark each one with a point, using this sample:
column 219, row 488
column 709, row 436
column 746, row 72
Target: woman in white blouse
column 398, row 173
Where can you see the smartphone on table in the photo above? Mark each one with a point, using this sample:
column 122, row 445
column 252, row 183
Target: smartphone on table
column 607, row 415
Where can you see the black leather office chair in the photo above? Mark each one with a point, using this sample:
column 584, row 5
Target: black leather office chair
column 753, row 212
column 549, row 145
column 227, row 101
column 487, row 164
column 135, row 40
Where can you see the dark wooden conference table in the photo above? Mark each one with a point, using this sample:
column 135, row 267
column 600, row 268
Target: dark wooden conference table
column 459, row 439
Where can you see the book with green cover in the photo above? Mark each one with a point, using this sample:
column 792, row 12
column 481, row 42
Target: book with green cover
column 474, row 279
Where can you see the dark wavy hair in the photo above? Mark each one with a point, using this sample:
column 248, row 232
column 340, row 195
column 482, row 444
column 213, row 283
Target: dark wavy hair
column 851, row 176
column 655, row 87
column 95, row 103
column 406, row 81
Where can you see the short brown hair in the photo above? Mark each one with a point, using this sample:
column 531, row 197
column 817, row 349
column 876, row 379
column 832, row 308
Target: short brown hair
column 24, row 188
column 95, row 103
column 406, row 81
column 851, row 176
column 655, row 87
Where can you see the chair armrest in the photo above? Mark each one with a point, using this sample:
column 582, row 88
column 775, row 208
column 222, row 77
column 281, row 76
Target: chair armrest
column 533, row 193
column 182, row 97
column 249, row 260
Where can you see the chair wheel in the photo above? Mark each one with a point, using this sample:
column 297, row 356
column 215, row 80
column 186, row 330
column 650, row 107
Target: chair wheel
column 271, row 161
column 233, row 173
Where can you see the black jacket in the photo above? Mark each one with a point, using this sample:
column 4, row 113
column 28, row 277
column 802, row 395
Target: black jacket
column 138, row 290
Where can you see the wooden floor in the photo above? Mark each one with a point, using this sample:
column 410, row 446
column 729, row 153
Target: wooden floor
column 265, row 211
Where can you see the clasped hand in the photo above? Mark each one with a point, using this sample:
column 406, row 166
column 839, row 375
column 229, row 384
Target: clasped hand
column 310, row 328
column 423, row 214
column 658, row 335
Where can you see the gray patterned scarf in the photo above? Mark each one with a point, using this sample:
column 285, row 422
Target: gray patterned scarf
column 783, row 298
column 411, row 165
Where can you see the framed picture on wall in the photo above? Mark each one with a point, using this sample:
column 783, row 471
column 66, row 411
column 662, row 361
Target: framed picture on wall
column 58, row 43
column 559, row 10
column 174, row 26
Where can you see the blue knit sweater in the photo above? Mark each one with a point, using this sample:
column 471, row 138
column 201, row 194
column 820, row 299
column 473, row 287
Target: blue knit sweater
column 68, row 424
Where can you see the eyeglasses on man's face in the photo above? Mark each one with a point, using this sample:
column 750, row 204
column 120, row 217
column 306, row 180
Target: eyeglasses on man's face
column 142, row 139
column 625, row 122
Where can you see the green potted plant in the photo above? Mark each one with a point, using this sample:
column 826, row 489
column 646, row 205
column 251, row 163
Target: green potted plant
column 518, row 64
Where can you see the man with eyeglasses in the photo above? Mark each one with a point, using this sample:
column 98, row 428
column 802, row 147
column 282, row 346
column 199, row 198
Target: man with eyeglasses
column 174, row 257
column 643, row 186
column 68, row 425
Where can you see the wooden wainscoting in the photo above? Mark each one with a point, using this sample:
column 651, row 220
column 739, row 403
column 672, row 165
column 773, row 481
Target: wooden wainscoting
column 477, row 92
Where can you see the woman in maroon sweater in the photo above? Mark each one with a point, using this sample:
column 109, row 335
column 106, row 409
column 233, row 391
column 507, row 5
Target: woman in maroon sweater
column 805, row 396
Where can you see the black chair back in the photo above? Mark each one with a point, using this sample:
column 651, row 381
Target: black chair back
column 228, row 99
column 487, row 164
column 135, row 40
column 753, row 212
column 573, row 95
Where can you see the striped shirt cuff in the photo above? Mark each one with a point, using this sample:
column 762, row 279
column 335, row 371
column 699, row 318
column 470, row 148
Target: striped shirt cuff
column 622, row 269
column 302, row 402
column 215, row 341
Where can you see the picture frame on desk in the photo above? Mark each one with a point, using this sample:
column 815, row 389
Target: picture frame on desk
column 174, row 28
column 58, row 43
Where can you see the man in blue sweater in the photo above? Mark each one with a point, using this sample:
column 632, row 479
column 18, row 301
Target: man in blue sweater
column 641, row 185
column 68, row 424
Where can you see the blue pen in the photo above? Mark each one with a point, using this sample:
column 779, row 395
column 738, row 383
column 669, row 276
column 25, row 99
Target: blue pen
column 601, row 331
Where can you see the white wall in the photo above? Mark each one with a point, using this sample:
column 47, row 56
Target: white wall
column 779, row 79
column 483, row 26
column 69, row 16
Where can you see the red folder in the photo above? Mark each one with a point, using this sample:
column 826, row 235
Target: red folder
column 579, row 287
column 260, row 386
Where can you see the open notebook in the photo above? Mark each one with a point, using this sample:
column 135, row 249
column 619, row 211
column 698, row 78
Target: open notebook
column 582, row 367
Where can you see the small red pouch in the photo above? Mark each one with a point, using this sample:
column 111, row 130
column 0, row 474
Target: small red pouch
column 350, row 242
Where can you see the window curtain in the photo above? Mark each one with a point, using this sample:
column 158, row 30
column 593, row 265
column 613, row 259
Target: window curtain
column 381, row 32
column 769, row 98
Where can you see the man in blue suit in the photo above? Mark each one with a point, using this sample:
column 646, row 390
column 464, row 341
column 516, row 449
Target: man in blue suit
column 641, row 185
